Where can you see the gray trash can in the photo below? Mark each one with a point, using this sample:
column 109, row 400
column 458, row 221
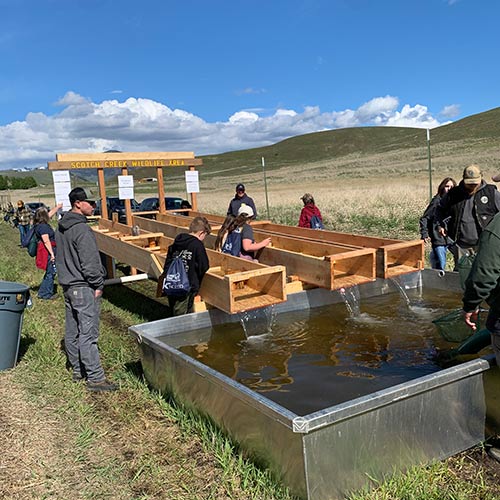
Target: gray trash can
column 14, row 298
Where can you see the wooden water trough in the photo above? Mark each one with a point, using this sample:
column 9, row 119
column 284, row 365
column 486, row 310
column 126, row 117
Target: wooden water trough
column 326, row 265
column 394, row 257
column 231, row 284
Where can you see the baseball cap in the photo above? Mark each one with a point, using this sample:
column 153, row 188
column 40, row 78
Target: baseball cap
column 240, row 187
column 472, row 174
column 79, row 194
column 245, row 209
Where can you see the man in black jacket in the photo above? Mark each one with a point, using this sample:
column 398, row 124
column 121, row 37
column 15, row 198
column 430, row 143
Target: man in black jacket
column 81, row 276
column 239, row 199
column 466, row 210
column 189, row 247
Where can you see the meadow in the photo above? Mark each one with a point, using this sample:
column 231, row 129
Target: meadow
column 59, row 441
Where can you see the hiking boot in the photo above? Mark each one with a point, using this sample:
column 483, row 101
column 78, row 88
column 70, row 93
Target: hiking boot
column 102, row 386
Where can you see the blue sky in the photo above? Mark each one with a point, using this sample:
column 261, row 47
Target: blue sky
column 211, row 76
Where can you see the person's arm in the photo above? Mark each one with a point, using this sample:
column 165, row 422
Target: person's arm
column 252, row 204
column 54, row 210
column 303, row 222
column 497, row 200
column 425, row 219
column 48, row 245
column 90, row 262
column 483, row 277
column 441, row 213
column 251, row 246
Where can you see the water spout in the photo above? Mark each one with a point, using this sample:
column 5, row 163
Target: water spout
column 258, row 321
column 401, row 289
column 351, row 297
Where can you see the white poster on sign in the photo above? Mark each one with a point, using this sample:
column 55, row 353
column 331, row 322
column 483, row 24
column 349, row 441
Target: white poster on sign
column 62, row 187
column 192, row 182
column 125, row 187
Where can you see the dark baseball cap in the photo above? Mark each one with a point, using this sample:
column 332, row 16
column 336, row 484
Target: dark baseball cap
column 240, row 187
column 79, row 194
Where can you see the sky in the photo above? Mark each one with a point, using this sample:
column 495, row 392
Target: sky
column 211, row 76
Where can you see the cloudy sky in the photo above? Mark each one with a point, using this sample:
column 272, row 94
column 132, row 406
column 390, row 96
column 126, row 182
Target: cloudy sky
column 219, row 75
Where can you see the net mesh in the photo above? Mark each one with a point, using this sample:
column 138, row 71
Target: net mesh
column 453, row 328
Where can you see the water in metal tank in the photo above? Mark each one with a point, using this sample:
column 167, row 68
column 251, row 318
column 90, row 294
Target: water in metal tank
column 320, row 357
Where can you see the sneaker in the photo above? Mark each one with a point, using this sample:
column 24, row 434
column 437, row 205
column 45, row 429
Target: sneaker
column 103, row 385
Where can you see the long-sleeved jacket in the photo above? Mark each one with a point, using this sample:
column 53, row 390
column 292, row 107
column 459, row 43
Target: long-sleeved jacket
column 306, row 213
column 485, row 204
column 193, row 255
column 483, row 282
column 427, row 227
column 236, row 203
column 78, row 260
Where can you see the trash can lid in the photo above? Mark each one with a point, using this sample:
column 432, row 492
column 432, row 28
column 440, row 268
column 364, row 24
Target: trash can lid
column 12, row 287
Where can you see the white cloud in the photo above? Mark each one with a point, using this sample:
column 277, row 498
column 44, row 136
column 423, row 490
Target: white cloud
column 250, row 90
column 139, row 124
column 117, row 91
column 450, row 111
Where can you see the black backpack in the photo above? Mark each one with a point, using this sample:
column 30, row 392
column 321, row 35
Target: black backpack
column 232, row 245
column 176, row 282
column 316, row 222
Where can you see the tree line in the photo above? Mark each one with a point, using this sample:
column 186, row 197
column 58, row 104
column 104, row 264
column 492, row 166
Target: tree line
column 7, row 182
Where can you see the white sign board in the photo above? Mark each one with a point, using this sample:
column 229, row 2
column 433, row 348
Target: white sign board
column 62, row 187
column 192, row 182
column 125, row 187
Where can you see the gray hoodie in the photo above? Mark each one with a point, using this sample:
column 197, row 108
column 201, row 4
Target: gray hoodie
column 77, row 259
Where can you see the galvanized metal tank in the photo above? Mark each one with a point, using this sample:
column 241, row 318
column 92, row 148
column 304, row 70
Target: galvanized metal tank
column 330, row 452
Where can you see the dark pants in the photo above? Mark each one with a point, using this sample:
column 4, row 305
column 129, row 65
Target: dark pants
column 82, row 332
column 493, row 326
column 177, row 306
column 46, row 289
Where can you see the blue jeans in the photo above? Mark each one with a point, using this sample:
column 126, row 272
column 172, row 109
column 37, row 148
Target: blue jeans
column 23, row 229
column 438, row 257
column 46, row 289
column 82, row 332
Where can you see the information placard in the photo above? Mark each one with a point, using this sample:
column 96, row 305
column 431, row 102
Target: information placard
column 192, row 182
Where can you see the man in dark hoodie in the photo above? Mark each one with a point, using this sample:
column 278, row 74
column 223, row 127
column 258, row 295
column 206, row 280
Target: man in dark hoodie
column 81, row 276
column 465, row 211
column 189, row 246
column 239, row 199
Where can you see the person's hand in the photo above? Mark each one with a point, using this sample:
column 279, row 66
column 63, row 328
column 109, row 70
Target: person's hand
column 267, row 241
column 98, row 293
column 427, row 239
column 470, row 318
column 442, row 231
